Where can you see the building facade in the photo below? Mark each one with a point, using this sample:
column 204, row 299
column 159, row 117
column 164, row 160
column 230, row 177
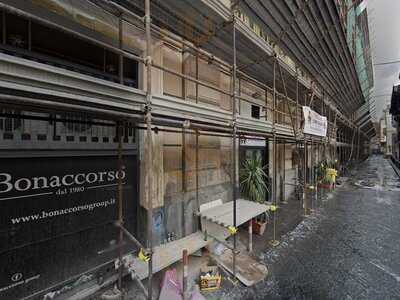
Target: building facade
column 120, row 120
column 394, row 113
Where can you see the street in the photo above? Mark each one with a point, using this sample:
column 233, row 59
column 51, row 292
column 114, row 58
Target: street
column 192, row 150
column 347, row 249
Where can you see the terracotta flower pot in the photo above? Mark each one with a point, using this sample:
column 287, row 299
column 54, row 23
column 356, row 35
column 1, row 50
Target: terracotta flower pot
column 326, row 186
column 258, row 227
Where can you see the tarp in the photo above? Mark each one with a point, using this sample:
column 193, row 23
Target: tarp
column 171, row 286
column 314, row 123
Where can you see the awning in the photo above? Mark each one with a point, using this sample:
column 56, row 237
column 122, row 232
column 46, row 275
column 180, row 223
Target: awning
column 222, row 213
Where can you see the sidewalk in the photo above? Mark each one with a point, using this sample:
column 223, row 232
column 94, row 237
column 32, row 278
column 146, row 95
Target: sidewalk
column 288, row 217
column 347, row 249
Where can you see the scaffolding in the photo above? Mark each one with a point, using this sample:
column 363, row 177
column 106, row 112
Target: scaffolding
column 342, row 146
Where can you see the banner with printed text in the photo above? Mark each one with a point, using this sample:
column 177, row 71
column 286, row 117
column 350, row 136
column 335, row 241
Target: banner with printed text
column 314, row 123
column 56, row 219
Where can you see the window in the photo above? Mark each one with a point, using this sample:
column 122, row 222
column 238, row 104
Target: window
column 10, row 124
column 255, row 111
column 252, row 25
column 131, row 72
column 17, row 31
column 2, row 27
column 57, row 48
column 172, row 59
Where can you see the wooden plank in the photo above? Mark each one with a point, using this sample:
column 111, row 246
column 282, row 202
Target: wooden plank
column 223, row 214
column 167, row 254
column 248, row 270
column 210, row 205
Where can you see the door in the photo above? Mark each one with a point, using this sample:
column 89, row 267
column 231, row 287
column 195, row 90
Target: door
column 248, row 152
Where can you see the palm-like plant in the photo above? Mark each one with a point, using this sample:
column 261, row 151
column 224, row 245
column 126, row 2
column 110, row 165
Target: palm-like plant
column 320, row 170
column 253, row 179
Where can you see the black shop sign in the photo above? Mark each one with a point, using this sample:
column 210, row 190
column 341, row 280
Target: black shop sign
column 56, row 217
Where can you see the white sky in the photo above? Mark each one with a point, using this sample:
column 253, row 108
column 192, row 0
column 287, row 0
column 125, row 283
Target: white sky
column 384, row 25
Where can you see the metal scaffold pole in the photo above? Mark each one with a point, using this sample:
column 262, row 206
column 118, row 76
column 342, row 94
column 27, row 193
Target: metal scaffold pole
column 283, row 199
column 149, row 151
column 305, row 177
column 119, row 131
column 358, row 144
column 274, row 242
column 234, row 163
column 294, row 128
column 352, row 144
column 310, row 178
column 312, row 174
column 287, row 100
column 305, row 200
column 120, row 205
column 334, row 141
column 119, row 136
column 197, row 170
column 297, row 177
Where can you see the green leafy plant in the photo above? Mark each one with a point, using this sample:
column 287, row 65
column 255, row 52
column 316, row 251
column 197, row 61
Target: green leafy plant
column 253, row 179
column 321, row 171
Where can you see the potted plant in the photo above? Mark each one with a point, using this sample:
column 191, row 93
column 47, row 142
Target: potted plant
column 321, row 175
column 254, row 187
column 326, row 175
column 259, row 224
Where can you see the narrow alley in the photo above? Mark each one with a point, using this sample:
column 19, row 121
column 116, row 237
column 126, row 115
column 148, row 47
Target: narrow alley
column 348, row 249
column 198, row 150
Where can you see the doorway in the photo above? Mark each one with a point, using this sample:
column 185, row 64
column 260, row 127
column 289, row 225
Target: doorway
column 253, row 152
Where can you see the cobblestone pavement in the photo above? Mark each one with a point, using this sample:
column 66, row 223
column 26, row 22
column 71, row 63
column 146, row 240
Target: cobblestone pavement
column 348, row 249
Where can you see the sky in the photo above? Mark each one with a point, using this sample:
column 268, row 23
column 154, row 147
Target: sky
column 384, row 25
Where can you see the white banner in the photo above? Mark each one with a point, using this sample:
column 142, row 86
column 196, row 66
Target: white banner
column 314, row 123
